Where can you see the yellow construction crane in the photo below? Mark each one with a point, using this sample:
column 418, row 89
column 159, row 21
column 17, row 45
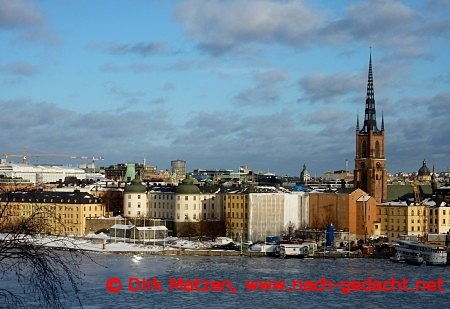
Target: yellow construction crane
column 415, row 188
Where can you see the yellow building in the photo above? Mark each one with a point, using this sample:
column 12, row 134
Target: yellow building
column 59, row 213
column 439, row 219
column 236, row 214
column 399, row 218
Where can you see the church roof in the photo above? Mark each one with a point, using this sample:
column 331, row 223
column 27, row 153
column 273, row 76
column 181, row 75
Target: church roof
column 405, row 192
column 424, row 170
column 304, row 172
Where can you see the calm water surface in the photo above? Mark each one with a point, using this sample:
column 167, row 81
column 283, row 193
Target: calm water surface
column 239, row 269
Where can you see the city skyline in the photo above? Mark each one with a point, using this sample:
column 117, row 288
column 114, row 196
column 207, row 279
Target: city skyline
column 221, row 84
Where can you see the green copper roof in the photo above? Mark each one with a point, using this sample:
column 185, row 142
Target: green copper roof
column 135, row 187
column 188, row 186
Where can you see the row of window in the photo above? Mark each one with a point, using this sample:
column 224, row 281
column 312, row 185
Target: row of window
column 419, row 212
column 186, row 216
column 418, row 221
column 237, row 205
column 239, row 224
column 163, row 197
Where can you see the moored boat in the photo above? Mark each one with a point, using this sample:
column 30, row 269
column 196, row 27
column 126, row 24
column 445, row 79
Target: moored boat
column 419, row 253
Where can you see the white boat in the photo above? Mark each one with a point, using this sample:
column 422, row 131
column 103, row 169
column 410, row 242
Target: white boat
column 287, row 249
column 419, row 253
column 293, row 250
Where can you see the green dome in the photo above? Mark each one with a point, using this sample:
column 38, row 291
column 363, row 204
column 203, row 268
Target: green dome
column 304, row 172
column 188, row 186
column 135, row 187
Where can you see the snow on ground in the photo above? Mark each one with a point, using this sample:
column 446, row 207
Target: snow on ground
column 104, row 243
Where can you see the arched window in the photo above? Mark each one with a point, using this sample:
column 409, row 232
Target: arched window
column 364, row 150
column 377, row 149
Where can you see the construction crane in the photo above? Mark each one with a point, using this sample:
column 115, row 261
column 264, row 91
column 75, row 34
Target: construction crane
column 93, row 159
column 26, row 155
column 415, row 188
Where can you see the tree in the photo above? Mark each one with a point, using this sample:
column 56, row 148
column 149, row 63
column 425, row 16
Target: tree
column 27, row 254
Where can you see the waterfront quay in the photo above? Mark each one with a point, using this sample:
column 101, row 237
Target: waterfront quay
column 224, row 253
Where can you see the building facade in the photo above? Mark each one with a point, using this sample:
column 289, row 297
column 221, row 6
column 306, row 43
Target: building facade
column 135, row 202
column 252, row 215
column 59, row 213
column 353, row 212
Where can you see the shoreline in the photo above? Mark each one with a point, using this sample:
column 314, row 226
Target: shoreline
column 183, row 248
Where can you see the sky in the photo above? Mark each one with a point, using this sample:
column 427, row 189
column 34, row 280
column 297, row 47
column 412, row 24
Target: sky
column 271, row 85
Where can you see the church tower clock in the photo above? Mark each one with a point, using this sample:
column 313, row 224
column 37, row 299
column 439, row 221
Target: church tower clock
column 370, row 173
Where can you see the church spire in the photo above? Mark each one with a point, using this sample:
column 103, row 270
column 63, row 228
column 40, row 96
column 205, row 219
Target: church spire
column 370, row 119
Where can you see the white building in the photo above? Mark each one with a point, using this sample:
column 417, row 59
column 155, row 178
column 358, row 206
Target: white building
column 135, row 200
column 37, row 174
column 274, row 213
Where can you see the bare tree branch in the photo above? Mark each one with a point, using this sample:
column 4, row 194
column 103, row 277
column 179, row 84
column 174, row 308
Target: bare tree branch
column 28, row 254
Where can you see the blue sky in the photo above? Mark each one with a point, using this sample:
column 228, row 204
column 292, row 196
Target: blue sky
column 220, row 84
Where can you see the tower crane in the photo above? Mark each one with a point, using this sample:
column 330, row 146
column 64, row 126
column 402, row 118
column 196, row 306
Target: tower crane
column 26, row 155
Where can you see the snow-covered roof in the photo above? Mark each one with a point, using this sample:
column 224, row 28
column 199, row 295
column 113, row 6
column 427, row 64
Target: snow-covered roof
column 152, row 228
column 363, row 198
column 122, row 226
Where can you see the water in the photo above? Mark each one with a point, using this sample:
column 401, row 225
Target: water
column 239, row 269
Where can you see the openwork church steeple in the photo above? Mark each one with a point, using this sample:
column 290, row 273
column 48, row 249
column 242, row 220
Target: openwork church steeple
column 370, row 173
column 370, row 116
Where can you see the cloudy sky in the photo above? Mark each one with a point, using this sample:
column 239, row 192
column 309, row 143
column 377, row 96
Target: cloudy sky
column 220, row 84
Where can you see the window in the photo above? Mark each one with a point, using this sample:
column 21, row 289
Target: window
column 139, row 196
column 364, row 150
column 377, row 150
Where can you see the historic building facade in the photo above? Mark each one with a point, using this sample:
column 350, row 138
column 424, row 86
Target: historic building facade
column 354, row 212
column 60, row 213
